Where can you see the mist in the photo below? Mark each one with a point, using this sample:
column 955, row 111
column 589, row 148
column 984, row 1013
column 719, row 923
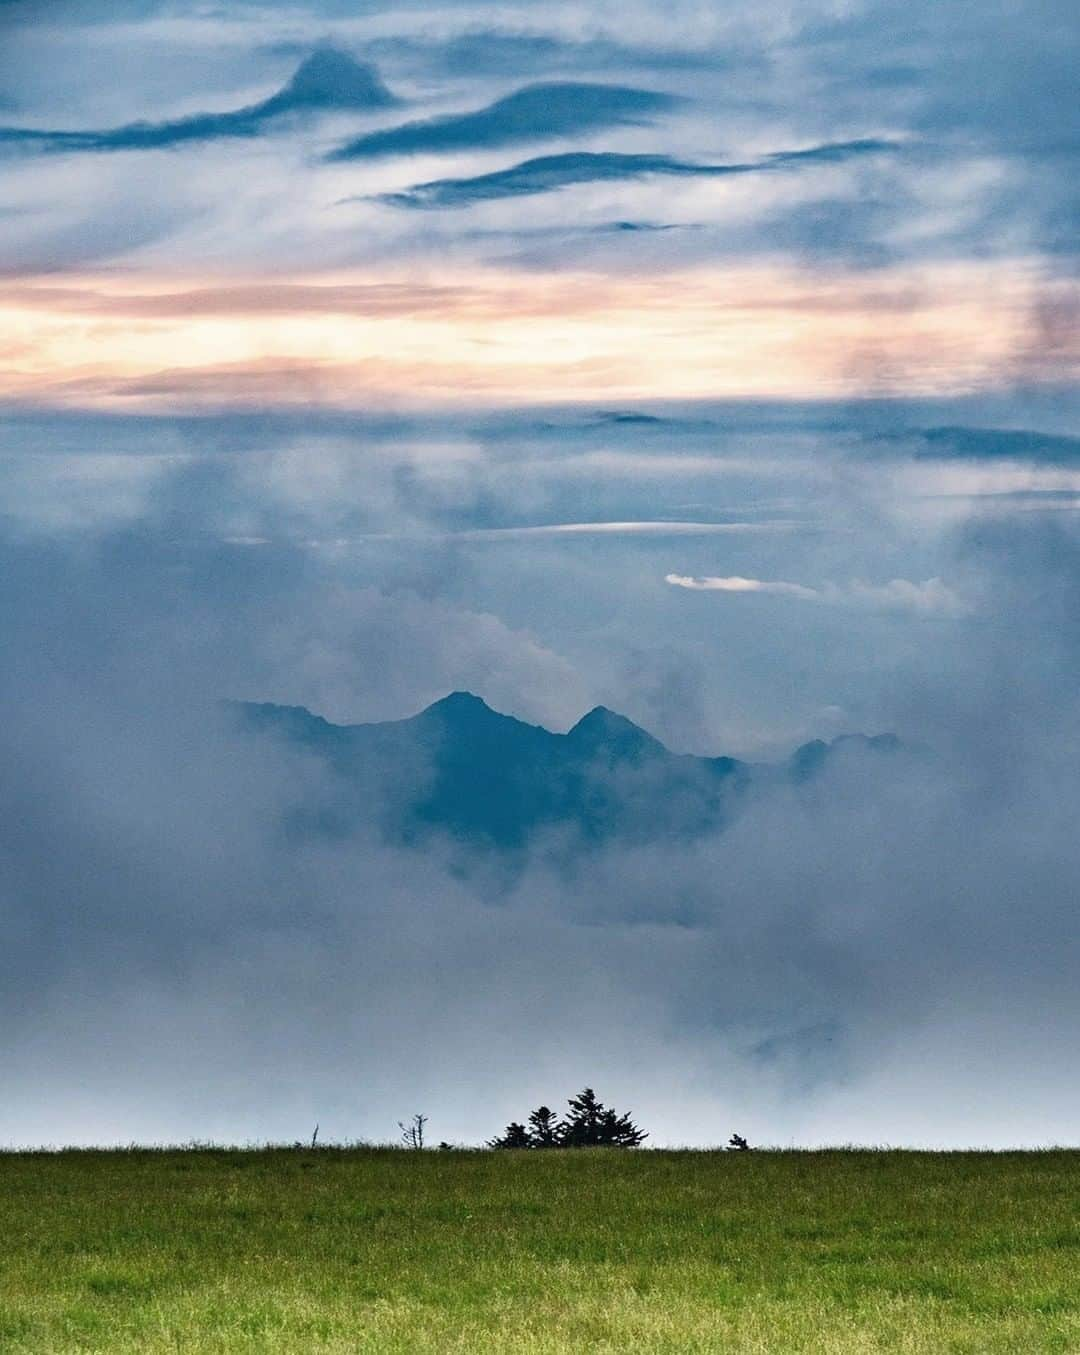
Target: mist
column 880, row 956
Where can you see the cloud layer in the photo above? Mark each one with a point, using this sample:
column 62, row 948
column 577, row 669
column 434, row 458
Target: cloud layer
column 549, row 172
column 869, row 958
column 326, row 80
column 501, row 335
column 536, row 113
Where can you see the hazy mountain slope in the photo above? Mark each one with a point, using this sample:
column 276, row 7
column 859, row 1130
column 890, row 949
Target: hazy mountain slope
column 487, row 779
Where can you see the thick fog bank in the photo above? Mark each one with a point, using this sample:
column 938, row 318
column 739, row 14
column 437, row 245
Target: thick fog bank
column 884, row 955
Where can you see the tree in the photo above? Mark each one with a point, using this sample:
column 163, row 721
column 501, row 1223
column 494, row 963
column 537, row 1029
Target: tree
column 581, row 1128
column 619, row 1131
column 516, row 1136
column 590, row 1124
column 737, row 1144
column 412, row 1134
column 544, row 1128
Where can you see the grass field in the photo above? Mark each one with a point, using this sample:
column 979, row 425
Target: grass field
column 385, row 1250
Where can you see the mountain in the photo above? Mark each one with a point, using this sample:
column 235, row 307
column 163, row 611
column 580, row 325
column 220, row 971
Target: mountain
column 489, row 780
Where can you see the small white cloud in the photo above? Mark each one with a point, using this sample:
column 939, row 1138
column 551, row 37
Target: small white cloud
column 736, row 584
column 932, row 597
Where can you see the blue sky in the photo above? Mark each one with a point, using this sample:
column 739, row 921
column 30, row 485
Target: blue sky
column 717, row 365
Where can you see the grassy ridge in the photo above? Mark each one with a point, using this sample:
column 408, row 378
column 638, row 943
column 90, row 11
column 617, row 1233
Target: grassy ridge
column 382, row 1250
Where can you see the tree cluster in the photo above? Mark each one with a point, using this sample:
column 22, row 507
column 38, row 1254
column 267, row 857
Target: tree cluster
column 587, row 1124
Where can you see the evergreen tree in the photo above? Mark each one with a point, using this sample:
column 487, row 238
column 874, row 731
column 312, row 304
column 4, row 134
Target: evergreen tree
column 516, row 1136
column 590, row 1124
column 581, row 1128
column 544, row 1128
column 619, row 1131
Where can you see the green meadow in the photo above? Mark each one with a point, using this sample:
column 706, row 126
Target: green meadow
column 367, row 1249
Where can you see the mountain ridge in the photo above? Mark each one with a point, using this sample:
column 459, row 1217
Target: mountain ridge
column 458, row 767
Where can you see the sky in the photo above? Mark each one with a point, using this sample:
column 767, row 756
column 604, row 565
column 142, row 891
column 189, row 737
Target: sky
column 714, row 363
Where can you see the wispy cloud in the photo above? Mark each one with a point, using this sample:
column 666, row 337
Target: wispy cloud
column 535, row 113
column 486, row 334
column 638, row 528
column 931, row 597
column 545, row 173
column 539, row 532
column 735, row 583
column 996, row 444
column 326, row 80
column 500, row 51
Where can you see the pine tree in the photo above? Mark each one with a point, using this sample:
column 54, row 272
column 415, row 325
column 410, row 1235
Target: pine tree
column 516, row 1136
column 591, row 1124
column 544, row 1129
column 619, row 1131
column 588, row 1124
column 581, row 1128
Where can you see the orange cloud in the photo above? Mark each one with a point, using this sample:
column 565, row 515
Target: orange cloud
column 763, row 332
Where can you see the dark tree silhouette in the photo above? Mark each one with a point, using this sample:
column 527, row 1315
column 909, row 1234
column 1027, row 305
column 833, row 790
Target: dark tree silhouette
column 544, row 1128
column 590, row 1124
column 581, row 1128
column 619, row 1131
column 412, row 1134
column 737, row 1144
column 516, row 1136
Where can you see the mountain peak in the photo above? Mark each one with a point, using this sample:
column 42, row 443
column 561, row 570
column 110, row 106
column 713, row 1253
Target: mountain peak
column 459, row 704
column 604, row 730
column 602, row 717
column 806, row 762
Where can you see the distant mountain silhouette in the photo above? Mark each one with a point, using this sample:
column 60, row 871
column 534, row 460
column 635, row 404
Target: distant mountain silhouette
column 486, row 779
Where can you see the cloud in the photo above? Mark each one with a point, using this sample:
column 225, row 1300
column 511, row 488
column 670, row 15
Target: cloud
column 326, row 80
column 921, row 919
column 459, row 335
column 932, row 597
column 830, row 153
column 736, row 584
column 976, row 93
column 499, row 51
column 546, row 173
column 995, row 444
column 535, row 113
column 639, row 528
column 833, row 968
column 929, row 598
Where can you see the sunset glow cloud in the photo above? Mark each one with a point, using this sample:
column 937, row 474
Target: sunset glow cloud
column 487, row 336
